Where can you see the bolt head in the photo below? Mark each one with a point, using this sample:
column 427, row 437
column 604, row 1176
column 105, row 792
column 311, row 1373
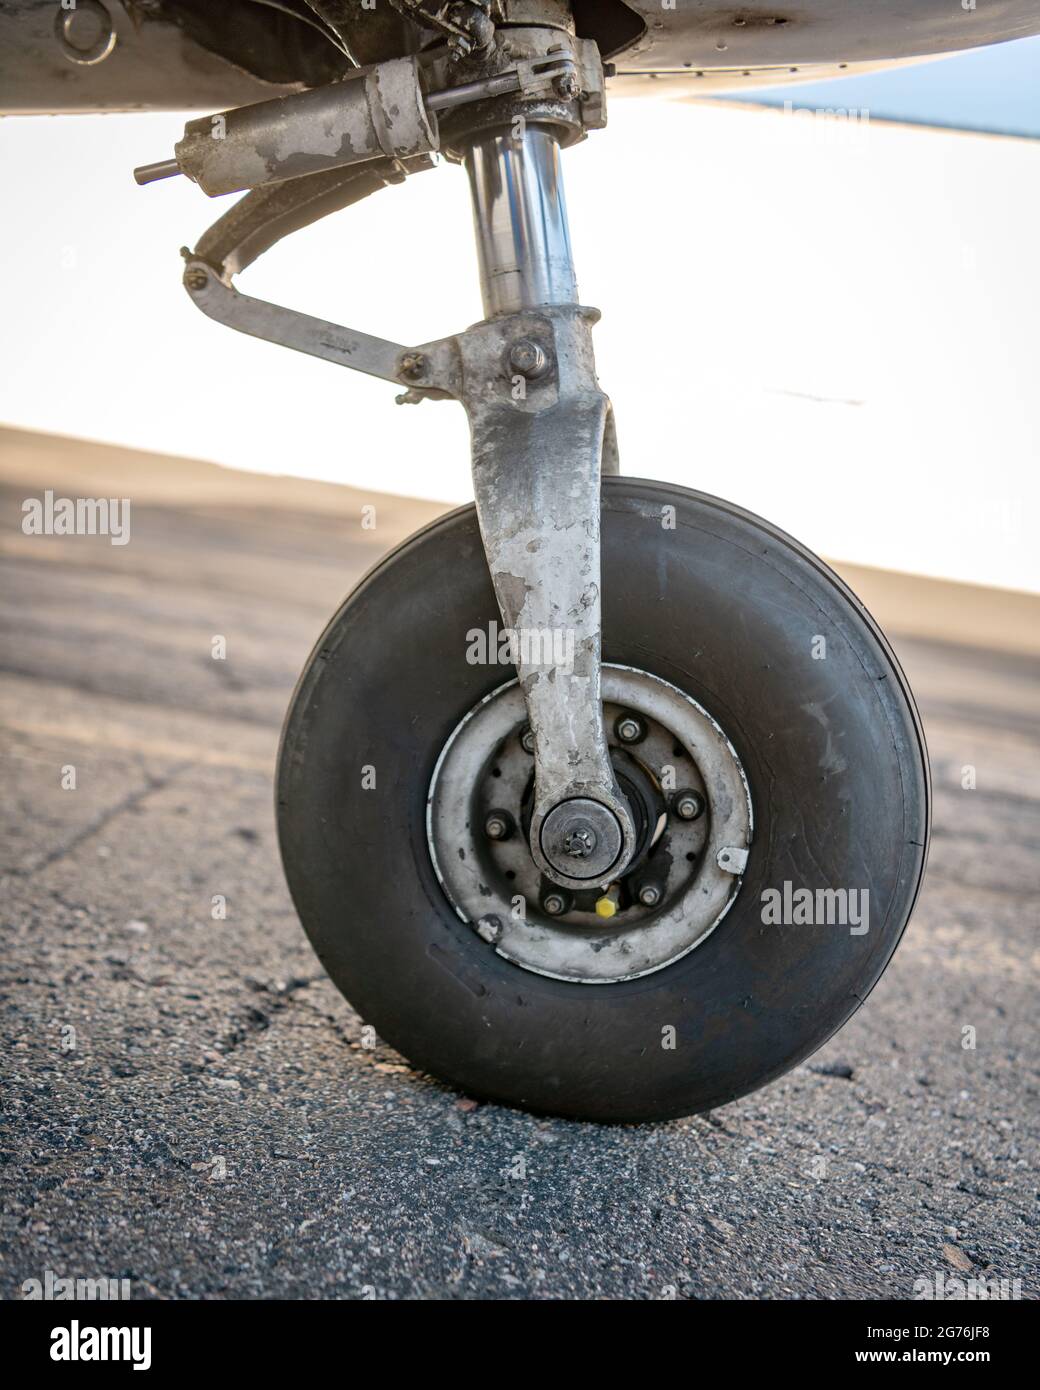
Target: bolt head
column 527, row 358
column 649, row 895
column 566, row 86
column 412, row 365
column 580, row 842
column 688, row 805
column 527, row 740
column 496, row 827
column 580, row 838
column 554, row 904
column 195, row 278
column 629, row 729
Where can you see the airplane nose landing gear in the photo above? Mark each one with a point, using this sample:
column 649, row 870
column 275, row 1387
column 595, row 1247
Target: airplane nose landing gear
column 551, row 890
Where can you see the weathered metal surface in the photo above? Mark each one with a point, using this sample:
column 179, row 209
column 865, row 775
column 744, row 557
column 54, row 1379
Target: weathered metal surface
column 176, row 55
column 163, row 58
column 347, row 347
column 377, row 112
column 261, row 218
column 465, row 25
column 388, row 111
column 536, row 460
column 540, row 426
column 538, row 440
column 560, row 87
column 537, row 449
column 485, row 880
column 529, row 62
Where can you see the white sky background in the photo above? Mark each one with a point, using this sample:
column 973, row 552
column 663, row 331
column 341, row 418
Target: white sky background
column 835, row 327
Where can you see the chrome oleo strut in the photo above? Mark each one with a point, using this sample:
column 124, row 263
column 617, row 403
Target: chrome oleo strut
column 542, row 429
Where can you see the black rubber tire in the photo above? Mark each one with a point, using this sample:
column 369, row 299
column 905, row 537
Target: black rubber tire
column 726, row 607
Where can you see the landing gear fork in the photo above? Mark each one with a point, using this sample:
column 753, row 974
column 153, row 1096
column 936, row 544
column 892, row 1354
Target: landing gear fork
column 542, row 436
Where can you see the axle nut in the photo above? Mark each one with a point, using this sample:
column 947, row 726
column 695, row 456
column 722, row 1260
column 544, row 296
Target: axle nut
column 581, row 838
column 580, row 842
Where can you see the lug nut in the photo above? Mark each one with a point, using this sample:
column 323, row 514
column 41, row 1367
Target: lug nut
column 498, row 825
column 554, row 904
column 688, row 805
column 527, row 358
column 649, row 895
column 527, row 739
column 629, row 729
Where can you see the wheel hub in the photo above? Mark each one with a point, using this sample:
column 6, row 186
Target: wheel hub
column 581, row 838
column 690, row 805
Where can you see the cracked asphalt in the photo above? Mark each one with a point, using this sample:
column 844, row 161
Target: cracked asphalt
column 189, row 1104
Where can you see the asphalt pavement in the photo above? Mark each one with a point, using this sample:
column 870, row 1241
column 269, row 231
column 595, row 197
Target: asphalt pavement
column 189, row 1104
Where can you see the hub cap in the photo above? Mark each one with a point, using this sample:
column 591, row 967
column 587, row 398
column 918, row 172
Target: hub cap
column 581, row 838
column 671, row 758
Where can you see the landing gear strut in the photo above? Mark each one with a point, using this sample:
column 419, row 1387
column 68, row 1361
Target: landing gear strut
column 551, row 894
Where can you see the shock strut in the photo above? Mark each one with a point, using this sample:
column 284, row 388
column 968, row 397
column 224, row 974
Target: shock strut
column 541, row 427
